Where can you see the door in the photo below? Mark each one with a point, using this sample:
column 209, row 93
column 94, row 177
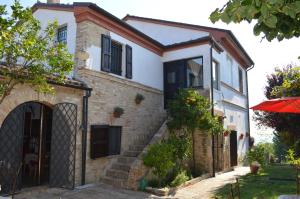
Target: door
column 63, row 145
column 233, row 148
column 218, row 150
column 174, row 78
column 11, row 145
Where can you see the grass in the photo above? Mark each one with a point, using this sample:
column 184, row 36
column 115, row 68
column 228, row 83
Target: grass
column 271, row 182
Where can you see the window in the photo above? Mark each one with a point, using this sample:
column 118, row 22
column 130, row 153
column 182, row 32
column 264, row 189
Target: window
column 116, row 58
column 111, row 57
column 241, row 81
column 215, row 75
column 105, row 140
column 62, row 34
column 195, row 72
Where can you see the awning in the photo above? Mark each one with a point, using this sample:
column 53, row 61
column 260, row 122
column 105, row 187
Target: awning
column 280, row 105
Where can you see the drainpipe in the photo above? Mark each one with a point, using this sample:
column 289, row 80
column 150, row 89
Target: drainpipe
column 85, row 102
column 248, row 112
column 212, row 109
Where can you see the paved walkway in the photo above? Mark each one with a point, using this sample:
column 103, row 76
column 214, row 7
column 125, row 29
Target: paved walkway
column 205, row 189
column 202, row 190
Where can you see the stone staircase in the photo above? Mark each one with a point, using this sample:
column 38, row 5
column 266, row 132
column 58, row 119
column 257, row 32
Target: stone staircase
column 118, row 173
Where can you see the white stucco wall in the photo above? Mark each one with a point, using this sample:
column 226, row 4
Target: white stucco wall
column 167, row 34
column 229, row 100
column 201, row 50
column 63, row 18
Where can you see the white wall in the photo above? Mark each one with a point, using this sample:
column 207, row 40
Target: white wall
column 229, row 101
column 167, row 34
column 196, row 51
column 63, row 18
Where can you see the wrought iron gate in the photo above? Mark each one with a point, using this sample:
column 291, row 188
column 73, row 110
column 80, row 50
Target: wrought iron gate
column 11, row 146
column 63, row 145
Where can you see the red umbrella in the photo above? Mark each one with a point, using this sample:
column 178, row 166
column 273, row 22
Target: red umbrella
column 281, row 105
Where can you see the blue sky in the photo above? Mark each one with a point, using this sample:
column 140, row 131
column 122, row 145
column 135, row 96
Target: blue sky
column 266, row 55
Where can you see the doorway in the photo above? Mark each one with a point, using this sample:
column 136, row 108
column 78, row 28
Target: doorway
column 36, row 144
column 233, row 148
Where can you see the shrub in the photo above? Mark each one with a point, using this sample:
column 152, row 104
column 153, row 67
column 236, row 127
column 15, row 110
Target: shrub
column 160, row 157
column 118, row 111
column 292, row 158
column 256, row 154
column 180, row 178
column 139, row 98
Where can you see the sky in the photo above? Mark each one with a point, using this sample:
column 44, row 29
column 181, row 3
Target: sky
column 266, row 55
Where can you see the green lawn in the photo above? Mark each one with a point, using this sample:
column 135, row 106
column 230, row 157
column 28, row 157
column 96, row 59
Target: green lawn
column 273, row 181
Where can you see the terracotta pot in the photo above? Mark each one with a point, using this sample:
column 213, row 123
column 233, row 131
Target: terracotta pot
column 117, row 115
column 226, row 133
column 241, row 136
column 254, row 169
column 138, row 101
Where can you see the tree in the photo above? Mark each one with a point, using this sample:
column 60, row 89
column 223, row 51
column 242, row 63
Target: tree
column 28, row 54
column 283, row 82
column 274, row 18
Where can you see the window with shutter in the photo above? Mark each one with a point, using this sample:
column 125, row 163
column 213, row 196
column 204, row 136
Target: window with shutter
column 128, row 62
column 105, row 140
column 99, row 141
column 105, row 53
column 116, row 58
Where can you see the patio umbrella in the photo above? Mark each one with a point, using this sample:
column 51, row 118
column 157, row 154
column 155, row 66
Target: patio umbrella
column 280, row 105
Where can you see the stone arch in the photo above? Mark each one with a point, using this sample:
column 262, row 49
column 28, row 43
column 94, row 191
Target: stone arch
column 24, row 93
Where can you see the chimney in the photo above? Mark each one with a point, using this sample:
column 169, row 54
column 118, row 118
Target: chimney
column 53, row 1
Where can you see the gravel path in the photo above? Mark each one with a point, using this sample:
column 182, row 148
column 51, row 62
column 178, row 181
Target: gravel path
column 203, row 189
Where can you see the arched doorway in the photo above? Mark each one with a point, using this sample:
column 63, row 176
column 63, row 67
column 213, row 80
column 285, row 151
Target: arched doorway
column 40, row 142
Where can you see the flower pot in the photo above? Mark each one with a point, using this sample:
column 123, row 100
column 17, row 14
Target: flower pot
column 117, row 115
column 226, row 133
column 254, row 168
column 138, row 101
column 241, row 136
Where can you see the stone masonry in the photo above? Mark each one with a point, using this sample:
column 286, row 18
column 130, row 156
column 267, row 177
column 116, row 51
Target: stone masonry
column 139, row 122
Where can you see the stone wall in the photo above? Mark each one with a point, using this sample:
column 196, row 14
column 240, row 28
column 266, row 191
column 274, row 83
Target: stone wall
column 25, row 93
column 110, row 91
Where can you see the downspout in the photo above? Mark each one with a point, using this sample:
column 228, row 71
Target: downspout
column 85, row 102
column 248, row 112
column 212, row 109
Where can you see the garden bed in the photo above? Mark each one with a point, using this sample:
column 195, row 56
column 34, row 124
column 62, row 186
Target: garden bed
column 169, row 190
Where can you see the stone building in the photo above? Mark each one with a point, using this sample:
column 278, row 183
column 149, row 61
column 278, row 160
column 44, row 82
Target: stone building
column 79, row 135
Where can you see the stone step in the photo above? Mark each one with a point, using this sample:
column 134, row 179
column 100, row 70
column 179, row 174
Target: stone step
column 126, row 160
column 114, row 182
column 136, row 147
column 117, row 174
column 121, row 167
column 131, row 153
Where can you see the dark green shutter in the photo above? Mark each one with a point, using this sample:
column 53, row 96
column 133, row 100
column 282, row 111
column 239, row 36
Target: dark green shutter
column 99, row 141
column 105, row 53
column 128, row 62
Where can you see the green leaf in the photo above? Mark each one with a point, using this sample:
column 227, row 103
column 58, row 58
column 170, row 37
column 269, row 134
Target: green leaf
column 215, row 16
column 271, row 21
column 225, row 18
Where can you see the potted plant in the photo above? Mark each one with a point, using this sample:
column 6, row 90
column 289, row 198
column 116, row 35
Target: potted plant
column 139, row 98
column 241, row 136
column 118, row 111
column 226, row 133
column 256, row 158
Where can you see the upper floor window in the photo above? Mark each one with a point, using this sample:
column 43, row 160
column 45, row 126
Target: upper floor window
column 116, row 58
column 194, row 72
column 62, row 34
column 111, row 57
column 215, row 75
column 241, row 81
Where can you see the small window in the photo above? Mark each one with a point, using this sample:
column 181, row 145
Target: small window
column 195, row 72
column 215, row 71
column 105, row 140
column 116, row 58
column 62, row 34
column 241, row 81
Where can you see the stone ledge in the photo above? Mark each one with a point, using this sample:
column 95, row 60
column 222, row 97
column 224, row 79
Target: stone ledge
column 120, row 80
column 167, row 191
